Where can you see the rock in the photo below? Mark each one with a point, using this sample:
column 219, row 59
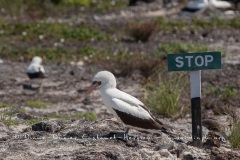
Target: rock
column 52, row 126
column 164, row 153
column 3, row 127
column 187, row 156
column 213, row 140
column 131, row 143
column 24, row 116
column 223, row 153
column 192, row 153
column 145, row 153
column 4, row 136
column 164, row 146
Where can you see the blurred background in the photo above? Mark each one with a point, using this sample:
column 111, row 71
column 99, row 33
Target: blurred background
column 78, row 38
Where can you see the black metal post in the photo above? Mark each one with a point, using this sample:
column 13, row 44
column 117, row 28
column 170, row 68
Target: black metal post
column 196, row 121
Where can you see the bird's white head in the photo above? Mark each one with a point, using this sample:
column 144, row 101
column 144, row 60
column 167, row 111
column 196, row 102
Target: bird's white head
column 37, row 60
column 103, row 79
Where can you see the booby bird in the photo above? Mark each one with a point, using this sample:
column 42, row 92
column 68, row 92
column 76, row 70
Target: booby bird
column 35, row 70
column 196, row 7
column 126, row 108
column 221, row 5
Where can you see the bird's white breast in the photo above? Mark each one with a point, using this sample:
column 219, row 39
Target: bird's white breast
column 34, row 68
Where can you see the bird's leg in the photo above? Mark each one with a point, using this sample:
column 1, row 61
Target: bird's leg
column 30, row 83
column 126, row 133
column 40, row 88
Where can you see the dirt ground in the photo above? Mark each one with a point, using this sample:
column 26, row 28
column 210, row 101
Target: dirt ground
column 93, row 139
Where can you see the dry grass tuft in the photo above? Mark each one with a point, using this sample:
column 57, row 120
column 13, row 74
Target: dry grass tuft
column 141, row 31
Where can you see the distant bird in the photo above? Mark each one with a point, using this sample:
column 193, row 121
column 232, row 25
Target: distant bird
column 221, row 5
column 126, row 108
column 36, row 72
column 199, row 6
column 196, row 7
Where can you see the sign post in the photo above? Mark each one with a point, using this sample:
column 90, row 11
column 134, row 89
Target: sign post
column 195, row 62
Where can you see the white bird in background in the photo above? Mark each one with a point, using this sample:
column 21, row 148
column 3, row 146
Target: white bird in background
column 199, row 6
column 196, row 7
column 126, row 108
column 36, row 72
column 220, row 4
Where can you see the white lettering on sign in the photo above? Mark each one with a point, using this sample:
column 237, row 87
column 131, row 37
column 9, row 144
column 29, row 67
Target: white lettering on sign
column 198, row 60
column 180, row 62
column 201, row 61
column 208, row 58
column 189, row 60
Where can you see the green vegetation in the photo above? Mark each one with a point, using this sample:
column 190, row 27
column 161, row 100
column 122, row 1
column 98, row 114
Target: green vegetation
column 41, row 9
column 163, row 94
column 88, row 115
column 49, row 54
column 51, row 32
column 179, row 47
column 38, row 104
column 226, row 92
column 7, row 119
column 230, row 91
column 34, row 121
column 5, row 105
column 234, row 137
column 106, row 5
column 216, row 22
column 84, row 3
column 170, row 25
column 8, row 113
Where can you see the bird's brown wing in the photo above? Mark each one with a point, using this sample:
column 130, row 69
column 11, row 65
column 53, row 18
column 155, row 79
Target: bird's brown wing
column 165, row 127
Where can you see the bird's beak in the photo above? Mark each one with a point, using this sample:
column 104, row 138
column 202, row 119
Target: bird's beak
column 91, row 88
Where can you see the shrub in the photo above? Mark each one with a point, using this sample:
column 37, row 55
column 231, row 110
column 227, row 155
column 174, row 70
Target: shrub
column 38, row 104
column 87, row 115
column 234, row 137
column 141, row 31
column 84, row 3
column 179, row 47
column 163, row 94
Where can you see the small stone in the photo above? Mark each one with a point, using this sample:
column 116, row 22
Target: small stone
column 52, row 126
column 132, row 144
column 164, row 146
column 187, row 156
column 164, row 152
column 145, row 153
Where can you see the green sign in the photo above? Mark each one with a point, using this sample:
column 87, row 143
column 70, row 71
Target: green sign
column 194, row 61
